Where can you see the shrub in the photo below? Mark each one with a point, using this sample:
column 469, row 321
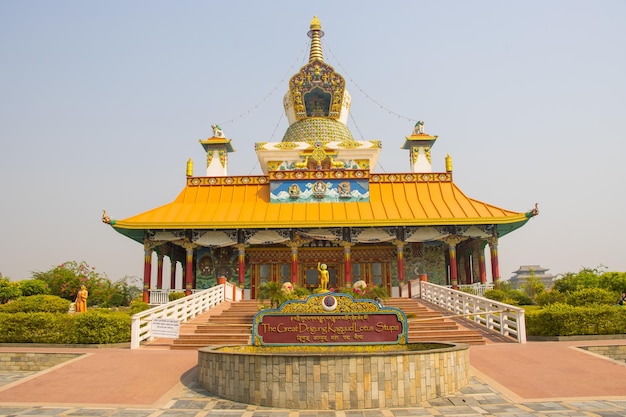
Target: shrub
column 509, row 296
column 35, row 327
column 533, row 287
column 101, row 328
column 173, row 296
column 550, row 297
column 566, row 320
column 521, row 299
column 138, row 306
column 273, row 291
column 585, row 278
column 34, row 287
column 591, row 296
column 613, row 281
column 469, row 290
column 37, row 303
column 370, row 292
column 9, row 290
column 499, row 295
column 87, row 328
column 300, row 292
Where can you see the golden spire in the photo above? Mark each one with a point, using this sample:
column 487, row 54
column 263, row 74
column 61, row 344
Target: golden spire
column 316, row 35
column 190, row 167
column 448, row 163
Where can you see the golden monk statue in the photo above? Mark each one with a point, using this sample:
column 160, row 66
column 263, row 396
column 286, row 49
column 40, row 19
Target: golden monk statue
column 81, row 300
column 323, row 276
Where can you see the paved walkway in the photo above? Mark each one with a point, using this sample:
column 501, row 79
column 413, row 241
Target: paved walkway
column 535, row 379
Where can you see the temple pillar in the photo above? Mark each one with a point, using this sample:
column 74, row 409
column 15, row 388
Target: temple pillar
column 400, row 255
column 454, row 277
column 495, row 266
column 242, row 264
column 159, row 271
column 189, row 249
column 172, row 273
column 453, row 241
column 468, row 267
column 347, row 264
column 481, row 263
column 147, row 272
column 294, row 261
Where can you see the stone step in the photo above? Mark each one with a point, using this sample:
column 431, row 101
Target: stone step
column 231, row 323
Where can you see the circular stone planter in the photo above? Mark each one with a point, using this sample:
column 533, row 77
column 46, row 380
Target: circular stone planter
column 334, row 379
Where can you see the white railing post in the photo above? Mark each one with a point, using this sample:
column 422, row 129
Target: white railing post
column 134, row 330
column 521, row 326
column 182, row 310
column 498, row 317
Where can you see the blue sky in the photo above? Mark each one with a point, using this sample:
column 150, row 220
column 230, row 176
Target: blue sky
column 102, row 103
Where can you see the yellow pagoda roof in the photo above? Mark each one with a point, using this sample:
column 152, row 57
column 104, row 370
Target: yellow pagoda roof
column 219, row 203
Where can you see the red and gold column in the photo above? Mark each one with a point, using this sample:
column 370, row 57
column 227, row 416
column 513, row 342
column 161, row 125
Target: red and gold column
column 172, row 273
column 495, row 266
column 294, row 264
column 453, row 241
column 189, row 247
column 400, row 253
column 454, row 277
column 159, row 271
column 468, row 267
column 147, row 272
column 347, row 264
column 242, row 264
column 481, row 264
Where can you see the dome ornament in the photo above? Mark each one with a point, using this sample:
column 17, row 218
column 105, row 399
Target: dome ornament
column 217, row 131
column 419, row 128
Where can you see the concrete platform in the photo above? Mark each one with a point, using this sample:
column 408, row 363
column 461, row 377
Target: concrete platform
column 529, row 379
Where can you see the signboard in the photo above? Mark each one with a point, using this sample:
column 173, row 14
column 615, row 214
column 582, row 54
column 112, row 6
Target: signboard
column 167, row 328
column 329, row 319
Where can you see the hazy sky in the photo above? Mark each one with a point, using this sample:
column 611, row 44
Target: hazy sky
column 102, row 103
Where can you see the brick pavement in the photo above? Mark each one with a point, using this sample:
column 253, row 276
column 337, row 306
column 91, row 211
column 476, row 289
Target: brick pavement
column 488, row 394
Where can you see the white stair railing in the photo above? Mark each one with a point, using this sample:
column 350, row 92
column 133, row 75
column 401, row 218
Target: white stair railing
column 502, row 318
column 182, row 310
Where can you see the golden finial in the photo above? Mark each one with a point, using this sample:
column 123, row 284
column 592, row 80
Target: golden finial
column 448, row 163
column 190, row 168
column 316, row 35
column 315, row 24
column 105, row 218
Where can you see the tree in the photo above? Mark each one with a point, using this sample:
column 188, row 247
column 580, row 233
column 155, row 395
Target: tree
column 613, row 281
column 66, row 279
column 533, row 286
column 34, row 287
column 591, row 296
column 9, row 290
column 585, row 278
column 272, row 291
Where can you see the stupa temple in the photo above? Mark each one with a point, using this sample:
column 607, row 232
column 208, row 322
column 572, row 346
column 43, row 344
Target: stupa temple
column 318, row 198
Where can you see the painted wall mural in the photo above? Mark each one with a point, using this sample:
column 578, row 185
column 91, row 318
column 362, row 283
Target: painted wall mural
column 323, row 190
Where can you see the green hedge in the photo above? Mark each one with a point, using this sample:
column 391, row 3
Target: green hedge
column 92, row 327
column 37, row 304
column 565, row 320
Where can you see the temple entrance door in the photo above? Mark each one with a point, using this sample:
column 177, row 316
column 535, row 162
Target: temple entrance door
column 311, row 276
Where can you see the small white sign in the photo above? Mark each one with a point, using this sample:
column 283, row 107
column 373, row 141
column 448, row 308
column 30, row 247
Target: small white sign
column 165, row 328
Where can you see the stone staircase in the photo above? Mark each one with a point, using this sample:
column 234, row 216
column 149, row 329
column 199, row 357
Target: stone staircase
column 427, row 325
column 231, row 324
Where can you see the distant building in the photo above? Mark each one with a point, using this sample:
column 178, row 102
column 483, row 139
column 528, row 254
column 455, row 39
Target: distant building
column 526, row 271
